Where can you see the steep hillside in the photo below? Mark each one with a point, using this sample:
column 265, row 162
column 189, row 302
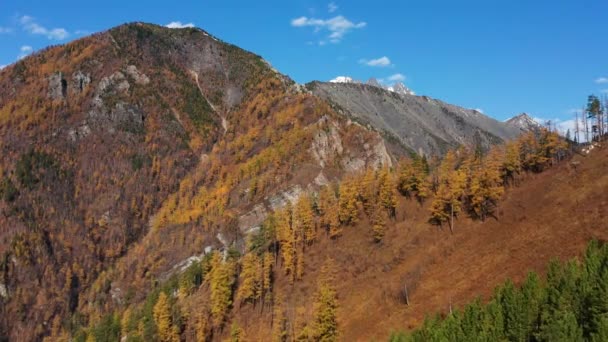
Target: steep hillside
column 424, row 125
column 544, row 216
column 130, row 151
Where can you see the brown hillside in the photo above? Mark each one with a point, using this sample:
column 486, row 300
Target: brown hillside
column 549, row 215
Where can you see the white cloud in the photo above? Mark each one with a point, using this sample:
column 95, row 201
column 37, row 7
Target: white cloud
column 332, row 7
column 25, row 50
column 178, row 25
column 5, row 30
column 337, row 26
column 343, row 79
column 30, row 25
column 601, row 80
column 378, row 62
column 604, row 91
column 396, row 78
column 3, row 66
column 479, row 110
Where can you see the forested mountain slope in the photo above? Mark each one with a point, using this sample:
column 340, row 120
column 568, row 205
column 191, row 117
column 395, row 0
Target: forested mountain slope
column 132, row 150
column 161, row 184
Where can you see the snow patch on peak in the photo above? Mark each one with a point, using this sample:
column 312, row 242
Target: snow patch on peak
column 400, row 88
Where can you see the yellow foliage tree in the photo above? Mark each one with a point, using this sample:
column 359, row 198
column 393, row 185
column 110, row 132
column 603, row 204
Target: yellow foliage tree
column 451, row 189
column 378, row 223
column 325, row 306
column 267, row 267
column 162, row 319
column 329, row 212
column 386, row 191
column 512, row 164
column 486, row 187
column 236, row 333
column 221, row 279
column 368, row 190
column 348, row 208
column 304, row 220
column 421, row 183
column 287, row 240
column 250, row 285
column 299, row 264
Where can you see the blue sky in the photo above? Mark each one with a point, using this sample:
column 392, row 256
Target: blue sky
column 503, row 57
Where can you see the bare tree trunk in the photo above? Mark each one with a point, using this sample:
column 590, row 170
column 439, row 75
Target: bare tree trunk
column 452, row 218
column 586, row 127
column 576, row 127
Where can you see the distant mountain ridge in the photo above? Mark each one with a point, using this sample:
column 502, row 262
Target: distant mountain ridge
column 420, row 123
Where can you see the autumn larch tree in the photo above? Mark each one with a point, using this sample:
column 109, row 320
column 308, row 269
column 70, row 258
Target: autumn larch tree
column 368, row 190
column 162, row 318
column 512, row 164
column 329, row 212
column 267, row 268
column 451, row 188
column 412, row 178
column 287, row 239
column 250, row 286
column 386, row 191
column 486, row 187
column 326, row 306
column 221, row 279
column 378, row 221
column 348, row 203
column 304, row 220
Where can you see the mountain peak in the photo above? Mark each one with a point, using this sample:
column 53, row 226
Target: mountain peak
column 524, row 122
column 401, row 89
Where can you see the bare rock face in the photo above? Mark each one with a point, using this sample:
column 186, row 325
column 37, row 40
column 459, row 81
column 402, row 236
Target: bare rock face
column 139, row 77
column 80, row 82
column 58, row 86
column 326, row 145
column 110, row 109
column 253, row 219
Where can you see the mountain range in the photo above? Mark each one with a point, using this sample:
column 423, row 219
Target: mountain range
column 132, row 157
column 421, row 124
